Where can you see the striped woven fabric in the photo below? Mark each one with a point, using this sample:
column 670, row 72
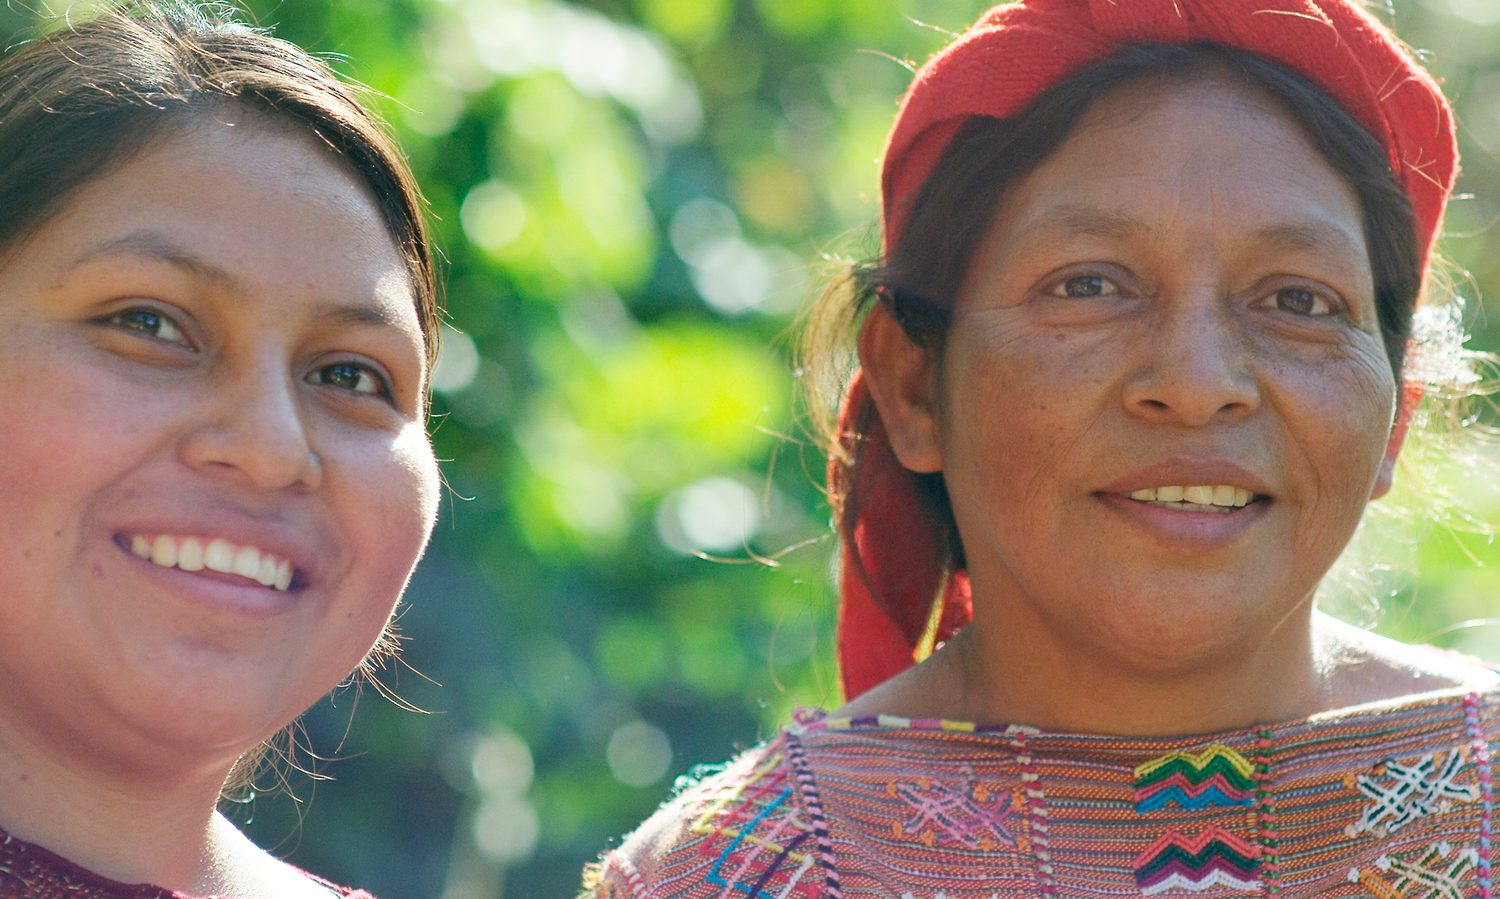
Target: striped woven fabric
column 1391, row 801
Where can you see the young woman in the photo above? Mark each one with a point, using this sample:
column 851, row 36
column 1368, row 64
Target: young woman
column 1132, row 369
column 217, row 318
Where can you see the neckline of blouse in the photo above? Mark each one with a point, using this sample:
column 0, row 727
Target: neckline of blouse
column 811, row 721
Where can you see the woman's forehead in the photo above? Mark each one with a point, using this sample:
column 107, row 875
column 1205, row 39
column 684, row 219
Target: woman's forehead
column 1217, row 154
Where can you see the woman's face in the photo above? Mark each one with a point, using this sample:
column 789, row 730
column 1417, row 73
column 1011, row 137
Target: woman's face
column 1180, row 297
column 210, row 359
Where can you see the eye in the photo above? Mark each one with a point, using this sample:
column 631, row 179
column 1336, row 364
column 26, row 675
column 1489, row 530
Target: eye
column 1084, row 287
column 1301, row 301
column 149, row 322
column 352, row 377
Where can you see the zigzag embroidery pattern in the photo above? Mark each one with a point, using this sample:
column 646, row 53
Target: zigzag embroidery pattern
column 1217, row 776
column 1213, row 858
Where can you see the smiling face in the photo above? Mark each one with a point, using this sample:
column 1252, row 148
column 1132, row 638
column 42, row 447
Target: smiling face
column 217, row 478
column 1163, row 401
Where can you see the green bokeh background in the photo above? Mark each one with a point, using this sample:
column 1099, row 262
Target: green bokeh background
column 634, row 197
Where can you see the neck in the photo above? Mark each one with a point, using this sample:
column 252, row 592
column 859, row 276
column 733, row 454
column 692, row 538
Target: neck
column 134, row 825
column 986, row 674
column 1061, row 689
column 1314, row 664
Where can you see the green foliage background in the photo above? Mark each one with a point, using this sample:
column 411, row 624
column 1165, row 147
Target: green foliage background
column 633, row 197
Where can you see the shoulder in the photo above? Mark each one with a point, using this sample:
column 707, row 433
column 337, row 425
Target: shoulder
column 1369, row 667
column 747, row 824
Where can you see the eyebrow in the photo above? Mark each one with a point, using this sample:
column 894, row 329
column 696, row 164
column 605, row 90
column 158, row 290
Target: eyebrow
column 1088, row 222
column 1315, row 236
column 157, row 247
column 361, row 314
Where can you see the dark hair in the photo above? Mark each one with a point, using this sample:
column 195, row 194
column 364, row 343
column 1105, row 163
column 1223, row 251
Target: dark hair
column 922, row 274
column 85, row 99
column 88, row 97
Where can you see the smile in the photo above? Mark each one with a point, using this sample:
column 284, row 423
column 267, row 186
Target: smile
column 1215, row 498
column 216, row 554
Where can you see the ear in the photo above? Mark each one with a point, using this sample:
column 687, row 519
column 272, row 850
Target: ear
column 1411, row 395
column 902, row 377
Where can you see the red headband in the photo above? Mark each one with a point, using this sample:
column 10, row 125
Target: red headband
column 892, row 569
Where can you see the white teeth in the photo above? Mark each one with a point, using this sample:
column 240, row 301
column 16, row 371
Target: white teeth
column 190, row 554
column 247, row 562
column 266, row 574
column 219, row 556
column 164, row 551
column 1222, row 495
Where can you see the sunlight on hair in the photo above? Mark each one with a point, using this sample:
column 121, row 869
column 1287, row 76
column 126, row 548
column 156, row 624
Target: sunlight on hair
column 1447, row 478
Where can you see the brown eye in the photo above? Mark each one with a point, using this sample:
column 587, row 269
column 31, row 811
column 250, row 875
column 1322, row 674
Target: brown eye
column 351, row 377
column 1301, row 302
column 1085, row 286
column 150, row 323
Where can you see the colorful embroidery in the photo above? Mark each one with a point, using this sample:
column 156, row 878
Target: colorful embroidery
column 1265, row 815
column 969, row 817
column 876, row 807
column 1481, row 750
column 1213, row 858
column 765, row 857
column 1434, row 872
column 1038, row 817
column 1217, row 776
column 814, row 805
column 1404, row 793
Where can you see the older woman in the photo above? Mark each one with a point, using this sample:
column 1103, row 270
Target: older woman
column 1131, row 371
column 216, row 322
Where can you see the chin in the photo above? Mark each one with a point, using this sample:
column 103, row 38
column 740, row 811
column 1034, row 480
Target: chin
column 1176, row 638
column 221, row 712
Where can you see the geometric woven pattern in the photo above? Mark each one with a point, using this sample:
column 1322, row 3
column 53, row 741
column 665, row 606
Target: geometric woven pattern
column 1196, row 863
column 1389, row 802
column 1401, row 794
column 1433, row 872
column 1216, row 776
column 757, row 837
column 966, row 815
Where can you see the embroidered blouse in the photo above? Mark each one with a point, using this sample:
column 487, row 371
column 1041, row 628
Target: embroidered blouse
column 1392, row 801
column 27, row 871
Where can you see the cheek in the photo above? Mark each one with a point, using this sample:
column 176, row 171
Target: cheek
column 1339, row 413
column 388, row 505
column 67, row 432
column 392, row 505
column 1015, row 407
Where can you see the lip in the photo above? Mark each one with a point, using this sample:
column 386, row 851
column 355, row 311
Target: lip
column 1186, row 531
column 223, row 593
column 1189, row 472
column 227, row 591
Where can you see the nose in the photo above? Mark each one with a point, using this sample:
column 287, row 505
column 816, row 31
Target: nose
column 251, row 429
column 1195, row 367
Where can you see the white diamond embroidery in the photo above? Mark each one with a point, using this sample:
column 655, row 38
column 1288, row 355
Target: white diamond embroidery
column 1405, row 793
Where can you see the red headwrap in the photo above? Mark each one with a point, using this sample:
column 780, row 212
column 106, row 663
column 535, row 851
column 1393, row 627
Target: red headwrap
column 892, row 568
